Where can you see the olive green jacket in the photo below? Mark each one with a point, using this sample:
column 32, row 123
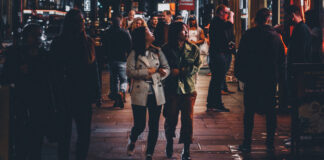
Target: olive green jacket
column 187, row 60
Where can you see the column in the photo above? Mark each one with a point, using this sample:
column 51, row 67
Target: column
column 254, row 6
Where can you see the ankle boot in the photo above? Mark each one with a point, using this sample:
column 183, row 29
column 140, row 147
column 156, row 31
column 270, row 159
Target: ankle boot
column 119, row 101
column 245, row 146
column 186, row 152
column 130, row 148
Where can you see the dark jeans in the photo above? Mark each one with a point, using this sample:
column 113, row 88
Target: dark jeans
column 228, row 60
column 28, row 143
column 118, row 77
column 81, row 113
column 30, row 125
column 139, row 114
column 217, row 67
column 174, row 104
column 259, row 98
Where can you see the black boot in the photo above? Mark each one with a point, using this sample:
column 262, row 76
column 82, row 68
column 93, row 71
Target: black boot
column 245, row 147
column 119, row 101
column 130, row 148
column 186, row 152
column 269, row 144
column 169, row 147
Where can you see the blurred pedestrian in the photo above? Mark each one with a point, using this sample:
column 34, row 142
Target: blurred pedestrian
column 184, row 61
column 77, row 82
column 117, row 45
column 178, row 18
column 147, row 67
column 167, row 17
column 312, row 21
column 138, row 22
column 161, row 34
column 26, row 69
column 299, row 46
column 196, row 34
column 220, row 55
column 127, row 21
column 153, row 23
column 258, row 64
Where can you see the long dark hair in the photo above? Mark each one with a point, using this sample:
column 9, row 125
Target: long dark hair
column 160, row 34
column 138, row 37
column 73, row 32
column 173, row 35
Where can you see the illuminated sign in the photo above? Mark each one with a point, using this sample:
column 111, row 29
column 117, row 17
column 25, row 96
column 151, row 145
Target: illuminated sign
column 187, row 5
column 87, row 5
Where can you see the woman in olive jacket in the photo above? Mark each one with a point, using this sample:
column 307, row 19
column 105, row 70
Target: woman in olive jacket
column 147, row 67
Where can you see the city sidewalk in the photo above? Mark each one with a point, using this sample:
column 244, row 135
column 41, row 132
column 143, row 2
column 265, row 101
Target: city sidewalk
column 216, row 135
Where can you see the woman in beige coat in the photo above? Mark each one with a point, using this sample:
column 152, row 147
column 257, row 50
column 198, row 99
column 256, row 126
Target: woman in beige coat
column 147, row 67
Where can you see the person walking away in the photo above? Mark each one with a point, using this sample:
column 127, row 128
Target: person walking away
column 77, row 82
column 184, row 61
column 26, row 69
column 258, row 64
column 147, row 67
column 117, row 45
column 220, row 35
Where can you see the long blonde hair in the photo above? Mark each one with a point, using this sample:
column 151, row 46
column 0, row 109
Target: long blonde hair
column 134, row 25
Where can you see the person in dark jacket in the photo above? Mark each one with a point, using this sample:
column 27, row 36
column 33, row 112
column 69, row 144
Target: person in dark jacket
column 258, row 62
column 299, row 47
column 153, row 22
column 312, row 21
column 77, row 82
column 117, row 45
column 300, row 42
column 220, row 52
column 27, row 70
column 160, row 34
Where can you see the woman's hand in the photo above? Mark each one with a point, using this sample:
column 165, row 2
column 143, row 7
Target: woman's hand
column 162, row 72
column 151, row 70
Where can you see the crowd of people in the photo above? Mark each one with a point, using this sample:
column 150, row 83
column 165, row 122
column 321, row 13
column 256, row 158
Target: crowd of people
column 159, row 63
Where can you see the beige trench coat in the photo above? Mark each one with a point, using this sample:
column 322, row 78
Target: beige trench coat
column 138, row 72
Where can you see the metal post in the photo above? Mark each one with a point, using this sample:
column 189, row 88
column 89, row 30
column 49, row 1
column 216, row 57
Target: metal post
column 197, row 12
column 275, row 12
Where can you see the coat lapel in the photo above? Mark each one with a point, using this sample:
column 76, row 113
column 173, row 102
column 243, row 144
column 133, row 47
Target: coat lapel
column 144, row 60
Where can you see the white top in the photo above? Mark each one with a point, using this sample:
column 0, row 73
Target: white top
column 193, row 35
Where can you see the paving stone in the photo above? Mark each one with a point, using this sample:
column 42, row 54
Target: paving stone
column 216, row 135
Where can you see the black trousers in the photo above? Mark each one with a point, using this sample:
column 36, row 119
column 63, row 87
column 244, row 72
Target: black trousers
column 139, row 114
column 228, row 60
column 28, row 143
column 81, row 113
column 259, row 98
column 217, row 67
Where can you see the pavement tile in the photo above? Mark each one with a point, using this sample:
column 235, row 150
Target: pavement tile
column 216, row 135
